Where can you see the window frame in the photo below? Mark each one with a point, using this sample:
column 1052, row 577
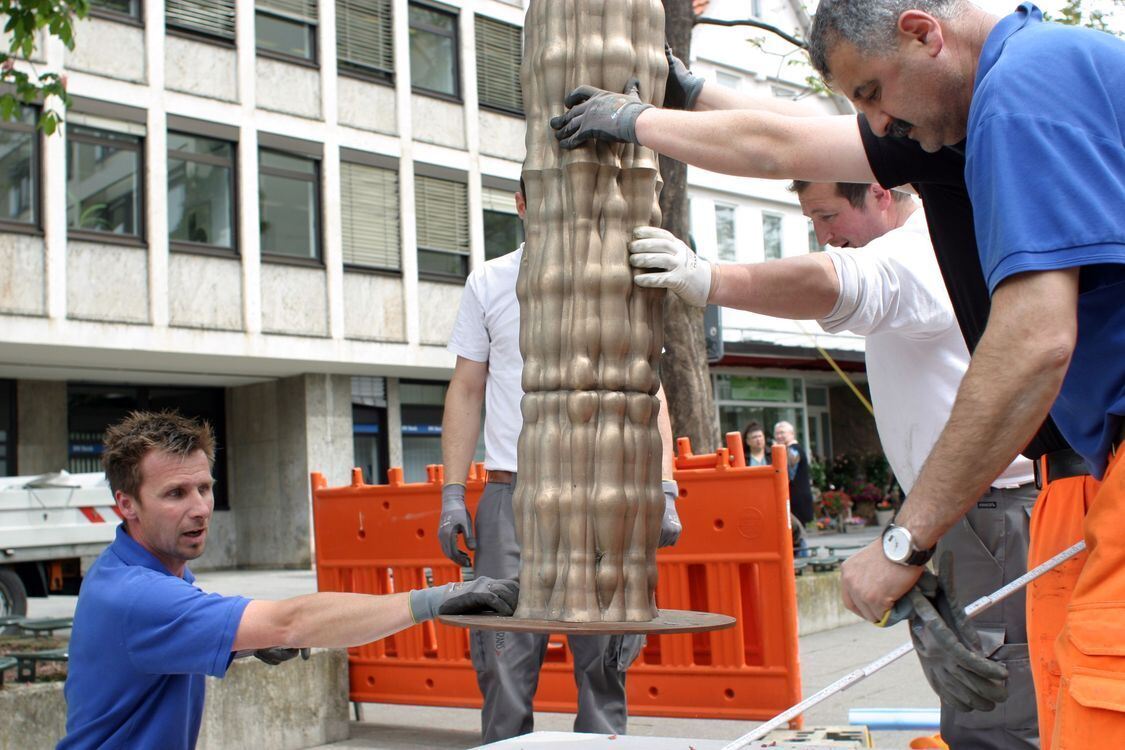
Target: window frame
column 139, row 239
column 35, row 226
column 477, row 18
column 349, row 69
column 311, row 26
column 458, row 94
column 317, row 261
column 130, row 19
column 200, row 35
column 199, row 248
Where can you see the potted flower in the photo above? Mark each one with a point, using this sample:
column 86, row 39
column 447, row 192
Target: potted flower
column 884, row 512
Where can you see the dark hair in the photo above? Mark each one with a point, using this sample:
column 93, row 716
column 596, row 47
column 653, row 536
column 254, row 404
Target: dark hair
column 871, row 26
column 753, row 426
column 523, row 187
column 129, row 441
column 854, row 192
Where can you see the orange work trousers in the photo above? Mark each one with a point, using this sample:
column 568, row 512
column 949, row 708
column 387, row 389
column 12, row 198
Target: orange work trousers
column 1056, row 524
column 1091, row 647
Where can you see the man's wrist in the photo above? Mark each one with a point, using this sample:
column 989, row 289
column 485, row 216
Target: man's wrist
column 716, row 277
column 424, row 603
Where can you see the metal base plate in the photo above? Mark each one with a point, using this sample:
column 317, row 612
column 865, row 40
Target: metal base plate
column 668, row 621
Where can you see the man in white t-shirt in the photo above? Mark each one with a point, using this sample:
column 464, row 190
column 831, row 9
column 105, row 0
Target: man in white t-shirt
column 489, row 368
column 892, row 293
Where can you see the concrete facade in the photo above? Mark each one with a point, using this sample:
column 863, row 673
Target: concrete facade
column 41, row 426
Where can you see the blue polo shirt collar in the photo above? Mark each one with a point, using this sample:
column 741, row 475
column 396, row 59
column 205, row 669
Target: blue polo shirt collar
column 132, row 553
column 1026, row 13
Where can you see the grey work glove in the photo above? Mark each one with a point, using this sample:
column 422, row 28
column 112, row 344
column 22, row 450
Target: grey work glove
column 670, row 526
column 455, row 520
column 277, row 655
column 683, row 87
column 669, row 264
column 481, row 596
column 603, row 115
column 949, row 648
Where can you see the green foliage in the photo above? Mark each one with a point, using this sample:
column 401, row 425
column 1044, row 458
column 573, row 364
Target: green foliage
column 1074, row 14
column 25, row 19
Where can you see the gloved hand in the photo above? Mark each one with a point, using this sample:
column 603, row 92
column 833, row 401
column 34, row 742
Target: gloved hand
column 670, row 526
column 676, row 267
column 455, row 520
column 275, row 656
column 604, row 115
column 949, row 648
column 683, row 88
column 480, row 596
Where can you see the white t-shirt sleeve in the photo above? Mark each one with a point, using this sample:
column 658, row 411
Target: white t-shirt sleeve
column 470, row 334
column 892, row 285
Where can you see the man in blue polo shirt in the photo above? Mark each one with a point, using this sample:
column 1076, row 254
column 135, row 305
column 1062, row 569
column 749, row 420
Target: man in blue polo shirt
column 1042, row 110
column 144, row 637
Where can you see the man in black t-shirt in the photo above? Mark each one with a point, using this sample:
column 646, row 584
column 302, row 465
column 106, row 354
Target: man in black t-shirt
column 774, row 138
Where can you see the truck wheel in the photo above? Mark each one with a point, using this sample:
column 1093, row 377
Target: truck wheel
column 13, row 597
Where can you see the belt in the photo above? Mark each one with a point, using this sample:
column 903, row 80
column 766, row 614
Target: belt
column 1060, row 465
column 501, row 477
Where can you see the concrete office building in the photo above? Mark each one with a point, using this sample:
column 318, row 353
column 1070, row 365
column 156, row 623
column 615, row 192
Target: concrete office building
column 263, row 213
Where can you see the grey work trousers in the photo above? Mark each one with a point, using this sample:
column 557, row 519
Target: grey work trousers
column 508, row 664
column 990, row 549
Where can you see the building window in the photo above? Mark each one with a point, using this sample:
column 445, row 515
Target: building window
column 91, row 408
column 503, row 227
column 422, row 407
column 724, row 232
column 369, row 428
column 370, row 216
column 7, row 428
column 364, row 37
column 814, row 243
column 286, row 28
column 744, row 398
column 116, row 9
column 728, row 80
column 442, row 211
column 200, row 191
column 771, row 235
column 433, row 51
column 499, row 55
column 209, row 18
column 19, row 169
column 103, row 181
column 289, row 200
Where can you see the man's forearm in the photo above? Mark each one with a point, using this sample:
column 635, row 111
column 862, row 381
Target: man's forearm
column 800, row 288
column 715, row 97
column 323, row 620
column 1012, row 381
column 664, row 426
column 460, row 428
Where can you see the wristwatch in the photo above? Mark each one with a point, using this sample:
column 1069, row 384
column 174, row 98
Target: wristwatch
column 899, row 547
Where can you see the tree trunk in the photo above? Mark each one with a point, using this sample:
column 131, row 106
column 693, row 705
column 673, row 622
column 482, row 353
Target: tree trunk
column 588, row 502
column 683, row 367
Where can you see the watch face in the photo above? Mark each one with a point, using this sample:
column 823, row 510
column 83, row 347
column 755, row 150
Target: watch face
column 896, row 544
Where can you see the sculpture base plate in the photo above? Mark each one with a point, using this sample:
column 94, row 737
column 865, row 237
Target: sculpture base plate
column 667, row 622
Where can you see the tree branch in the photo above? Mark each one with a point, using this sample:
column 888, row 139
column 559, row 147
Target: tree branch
column 751, row 22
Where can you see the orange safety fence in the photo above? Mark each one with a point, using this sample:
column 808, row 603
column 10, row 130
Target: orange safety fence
column 734, row 557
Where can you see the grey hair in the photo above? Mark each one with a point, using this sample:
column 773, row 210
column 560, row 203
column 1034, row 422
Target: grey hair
column 870, row 25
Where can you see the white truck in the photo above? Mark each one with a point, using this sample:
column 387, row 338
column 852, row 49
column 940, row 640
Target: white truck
column 50, row 527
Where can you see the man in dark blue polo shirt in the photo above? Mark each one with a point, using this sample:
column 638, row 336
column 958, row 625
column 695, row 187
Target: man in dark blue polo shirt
column 144, row 637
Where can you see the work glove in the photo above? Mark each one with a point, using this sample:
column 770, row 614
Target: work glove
column 455, row 520
column 949, row 648
column 673, row 265
column 670, row 526
column 683, row 88
column 481, row 596
column 275, row 656
column 596, row 113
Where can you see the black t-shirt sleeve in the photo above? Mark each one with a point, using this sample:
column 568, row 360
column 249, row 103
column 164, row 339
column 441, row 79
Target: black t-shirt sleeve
column 901, row 161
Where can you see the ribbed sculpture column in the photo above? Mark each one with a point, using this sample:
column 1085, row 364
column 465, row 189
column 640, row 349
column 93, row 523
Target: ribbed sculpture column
column 588, row 502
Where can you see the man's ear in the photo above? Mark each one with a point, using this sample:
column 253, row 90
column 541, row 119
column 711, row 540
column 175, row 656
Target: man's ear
column 127, row 505
column 881, row 196
column 918, row 26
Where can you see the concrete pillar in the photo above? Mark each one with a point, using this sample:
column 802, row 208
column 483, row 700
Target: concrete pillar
column 278, row 432
column 41, row 436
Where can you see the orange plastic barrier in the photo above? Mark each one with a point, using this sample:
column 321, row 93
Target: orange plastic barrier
column 734, row 557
